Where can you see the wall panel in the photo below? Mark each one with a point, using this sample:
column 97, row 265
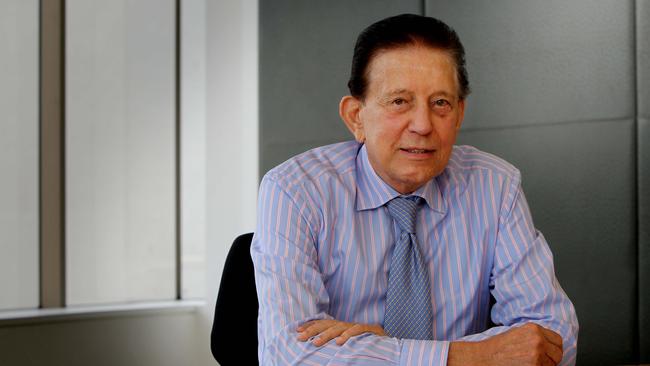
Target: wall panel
column 536, row 62
column 643, row 98
column 582, row 199
column 19, row 109
column 305, row 54
column 563, row 74
column 120, row 151
column 644, row 238
column 643, row 57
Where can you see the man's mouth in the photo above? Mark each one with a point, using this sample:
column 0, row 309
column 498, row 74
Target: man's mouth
column 417, row 151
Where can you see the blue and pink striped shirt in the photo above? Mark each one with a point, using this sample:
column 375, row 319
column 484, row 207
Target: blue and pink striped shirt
column 322, row 250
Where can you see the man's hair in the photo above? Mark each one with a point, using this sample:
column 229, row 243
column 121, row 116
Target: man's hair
column 400, row 31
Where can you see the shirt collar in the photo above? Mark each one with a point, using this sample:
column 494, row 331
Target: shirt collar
column 373, row 192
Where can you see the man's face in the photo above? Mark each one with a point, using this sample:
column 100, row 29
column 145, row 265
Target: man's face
column 410, row 115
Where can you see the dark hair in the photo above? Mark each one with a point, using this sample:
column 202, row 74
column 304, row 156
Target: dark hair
column 399, row 31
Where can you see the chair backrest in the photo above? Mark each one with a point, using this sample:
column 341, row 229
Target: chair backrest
column 234, row 331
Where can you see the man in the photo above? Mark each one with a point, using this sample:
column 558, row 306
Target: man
column 386, row 250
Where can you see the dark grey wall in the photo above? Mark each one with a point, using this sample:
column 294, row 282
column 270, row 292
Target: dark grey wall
column 305, row 53
column 643, row 138
column 554, row 94
column 555, row 90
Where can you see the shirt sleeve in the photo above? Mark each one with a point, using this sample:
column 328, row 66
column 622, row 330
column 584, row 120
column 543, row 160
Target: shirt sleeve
column 290, row 292
column 523, row 280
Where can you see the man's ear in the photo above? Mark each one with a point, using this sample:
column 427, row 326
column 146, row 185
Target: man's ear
column 349, row 110
column 461, row 113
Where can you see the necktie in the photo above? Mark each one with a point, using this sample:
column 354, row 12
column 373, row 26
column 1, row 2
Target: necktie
column 408, row 300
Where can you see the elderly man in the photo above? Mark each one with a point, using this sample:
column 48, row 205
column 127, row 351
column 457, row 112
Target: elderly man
column 387, row 250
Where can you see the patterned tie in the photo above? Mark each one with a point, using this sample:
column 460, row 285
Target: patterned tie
column 408, row 300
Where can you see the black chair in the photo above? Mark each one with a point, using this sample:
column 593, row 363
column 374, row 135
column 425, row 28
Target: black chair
column 234, row 331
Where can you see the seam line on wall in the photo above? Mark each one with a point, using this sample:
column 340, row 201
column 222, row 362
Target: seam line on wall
column 177, row 122
column 637, row 152
column 547, row 124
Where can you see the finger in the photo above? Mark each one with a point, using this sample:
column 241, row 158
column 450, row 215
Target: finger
column 310, row 323
column 304, row 326
column 303, row 337
column 547, row 362
column 552, row 337
column 314, row 329
column 553, row 352
column 354, row 330
column 330, row 333
column 359, row 329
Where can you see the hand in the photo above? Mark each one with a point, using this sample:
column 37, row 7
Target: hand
column 328, row 329
column 529, row 344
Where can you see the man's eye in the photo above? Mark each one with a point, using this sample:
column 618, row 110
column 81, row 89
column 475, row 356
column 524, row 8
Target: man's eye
column 399, row 101
column 441, row 103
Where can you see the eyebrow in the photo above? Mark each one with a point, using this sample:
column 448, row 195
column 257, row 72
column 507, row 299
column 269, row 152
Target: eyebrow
column 396, row 92
column 438, row 93
column 444, row 94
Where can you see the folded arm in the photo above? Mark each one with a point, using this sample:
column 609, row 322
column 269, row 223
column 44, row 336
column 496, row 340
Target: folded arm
column 291, row 292
column 536, row 316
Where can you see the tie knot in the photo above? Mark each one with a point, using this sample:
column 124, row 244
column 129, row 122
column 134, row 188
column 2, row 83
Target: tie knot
column 403, row 210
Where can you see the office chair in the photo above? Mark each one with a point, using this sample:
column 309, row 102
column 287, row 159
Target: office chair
column 234, row 331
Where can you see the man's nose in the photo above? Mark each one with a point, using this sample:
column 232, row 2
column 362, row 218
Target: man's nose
column 421, row 121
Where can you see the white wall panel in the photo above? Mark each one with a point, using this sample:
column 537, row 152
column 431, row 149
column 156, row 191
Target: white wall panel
column 18, row 154
column 193, row 148
column 120, row 150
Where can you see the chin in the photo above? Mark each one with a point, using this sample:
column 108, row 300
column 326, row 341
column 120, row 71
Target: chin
column 416, row 180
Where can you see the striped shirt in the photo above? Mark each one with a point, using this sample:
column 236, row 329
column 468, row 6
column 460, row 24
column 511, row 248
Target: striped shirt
column 323, row 244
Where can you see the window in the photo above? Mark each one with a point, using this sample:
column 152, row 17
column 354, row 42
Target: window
column 116, row 218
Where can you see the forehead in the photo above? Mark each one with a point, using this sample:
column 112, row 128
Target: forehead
column 412, row 68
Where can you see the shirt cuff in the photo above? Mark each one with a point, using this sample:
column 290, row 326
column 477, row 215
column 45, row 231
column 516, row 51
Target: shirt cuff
column 416, row 352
